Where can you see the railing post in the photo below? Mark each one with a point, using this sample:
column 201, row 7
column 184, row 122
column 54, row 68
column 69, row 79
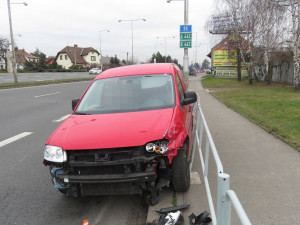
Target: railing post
column 196, row 140
column 224, row 204
column 206, row 157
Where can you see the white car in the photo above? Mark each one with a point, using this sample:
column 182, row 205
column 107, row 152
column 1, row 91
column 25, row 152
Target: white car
column 95, row 71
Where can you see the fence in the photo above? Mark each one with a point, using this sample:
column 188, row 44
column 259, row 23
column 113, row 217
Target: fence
column 225, row 197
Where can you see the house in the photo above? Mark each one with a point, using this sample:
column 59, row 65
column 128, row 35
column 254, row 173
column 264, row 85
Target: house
column 21, row 58
column 2, row 63
column 70, row 56
column 50, row 60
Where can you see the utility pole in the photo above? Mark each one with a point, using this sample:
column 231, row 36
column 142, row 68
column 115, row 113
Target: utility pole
column 186, row 50
column 13, row 58
column 131, row 22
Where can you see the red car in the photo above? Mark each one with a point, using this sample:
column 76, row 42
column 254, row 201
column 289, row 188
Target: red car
column 129, row 134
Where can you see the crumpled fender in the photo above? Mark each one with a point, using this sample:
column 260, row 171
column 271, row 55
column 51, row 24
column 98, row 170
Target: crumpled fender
column 176, row 134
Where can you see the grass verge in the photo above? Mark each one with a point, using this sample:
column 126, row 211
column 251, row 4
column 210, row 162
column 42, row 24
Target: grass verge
column 275, row 108
column 38, row 83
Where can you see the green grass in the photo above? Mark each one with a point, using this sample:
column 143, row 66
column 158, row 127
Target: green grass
column 274, row 107
column 174, row 199
column 210, row 82
column 38, row 83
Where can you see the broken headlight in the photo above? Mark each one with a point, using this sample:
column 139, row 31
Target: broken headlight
column 160, row 147
column 54, row 154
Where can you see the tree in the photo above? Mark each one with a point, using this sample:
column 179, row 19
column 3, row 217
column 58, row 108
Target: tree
column 42, row 56
column 260, row 23
column 293, row 13
column 205, row 64
column 115, row 61
column 162, row 59
column 159, row 58
column 4, row 46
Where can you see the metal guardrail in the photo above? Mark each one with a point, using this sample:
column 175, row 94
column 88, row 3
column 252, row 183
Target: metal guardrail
column 225, row 197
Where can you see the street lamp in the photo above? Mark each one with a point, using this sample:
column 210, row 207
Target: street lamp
column 12, row 40
column 166, row 45
column 131, row 21
column 100, row 38
column 186, row 50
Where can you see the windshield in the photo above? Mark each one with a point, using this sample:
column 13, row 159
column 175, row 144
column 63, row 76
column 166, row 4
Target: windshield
column 128, row 94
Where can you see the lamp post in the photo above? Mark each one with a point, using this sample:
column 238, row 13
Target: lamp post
column 100, row 39
column 131, row 21
column 166, row 45
column 12, row 40
column 186, row 50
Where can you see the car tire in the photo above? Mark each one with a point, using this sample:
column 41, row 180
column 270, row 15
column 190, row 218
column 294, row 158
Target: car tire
column 181, row 170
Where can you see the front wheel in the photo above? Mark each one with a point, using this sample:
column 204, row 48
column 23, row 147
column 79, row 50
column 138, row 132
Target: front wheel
column 181, row 170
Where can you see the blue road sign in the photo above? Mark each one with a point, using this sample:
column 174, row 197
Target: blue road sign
column 185, row 28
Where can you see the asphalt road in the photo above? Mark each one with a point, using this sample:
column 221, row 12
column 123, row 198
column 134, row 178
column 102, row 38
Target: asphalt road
column 27, row 195
column 29, row 77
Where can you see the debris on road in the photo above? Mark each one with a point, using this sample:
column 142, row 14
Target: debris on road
column 202, row 219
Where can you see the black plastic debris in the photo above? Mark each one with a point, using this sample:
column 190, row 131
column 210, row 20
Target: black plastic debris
column 172, row 209
column 202, row 219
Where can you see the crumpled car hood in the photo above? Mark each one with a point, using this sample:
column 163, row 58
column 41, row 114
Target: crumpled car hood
column 111, row 130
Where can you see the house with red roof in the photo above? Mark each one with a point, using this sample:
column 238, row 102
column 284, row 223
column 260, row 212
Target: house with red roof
column 21, row 58
column 50, row 60
column 84, row 57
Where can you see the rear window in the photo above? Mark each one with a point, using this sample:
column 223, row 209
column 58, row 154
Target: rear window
column 128, row 94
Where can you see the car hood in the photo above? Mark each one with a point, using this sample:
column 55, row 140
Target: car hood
column 111, row 130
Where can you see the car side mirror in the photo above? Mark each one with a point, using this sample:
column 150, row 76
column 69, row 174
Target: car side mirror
column 74, row 103
column 189, row 98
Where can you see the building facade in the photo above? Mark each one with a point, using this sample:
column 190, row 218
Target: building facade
column 71, row 56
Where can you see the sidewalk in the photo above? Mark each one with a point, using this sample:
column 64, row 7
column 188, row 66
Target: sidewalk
column 264, row 171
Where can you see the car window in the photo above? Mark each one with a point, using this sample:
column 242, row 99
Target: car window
column 180, row 88
column 128, row 94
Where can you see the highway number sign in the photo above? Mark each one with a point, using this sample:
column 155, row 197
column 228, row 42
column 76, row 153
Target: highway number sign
column 185, row 44
column 185, row 36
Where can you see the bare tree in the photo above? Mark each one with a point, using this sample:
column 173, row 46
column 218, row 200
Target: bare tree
column 4, row 46
column 293, row 12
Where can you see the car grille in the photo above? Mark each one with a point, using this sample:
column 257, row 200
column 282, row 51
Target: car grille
column 107, row 161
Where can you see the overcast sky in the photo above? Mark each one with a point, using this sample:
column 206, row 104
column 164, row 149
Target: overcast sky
column 52, row 25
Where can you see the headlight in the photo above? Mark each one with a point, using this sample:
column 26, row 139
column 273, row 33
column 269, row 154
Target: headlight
column 54, row 154
column 160, row 147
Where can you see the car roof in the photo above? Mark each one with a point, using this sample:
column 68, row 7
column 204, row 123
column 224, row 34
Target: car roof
column 140, row 69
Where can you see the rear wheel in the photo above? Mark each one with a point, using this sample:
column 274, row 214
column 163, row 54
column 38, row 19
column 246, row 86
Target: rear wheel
column 181, row 170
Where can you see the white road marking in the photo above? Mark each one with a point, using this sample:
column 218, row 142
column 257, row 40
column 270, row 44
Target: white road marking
column 12, row 89
column 195, row 178
column 46, row 94
column 207, row 90
column 14, row 138
column 61, row 118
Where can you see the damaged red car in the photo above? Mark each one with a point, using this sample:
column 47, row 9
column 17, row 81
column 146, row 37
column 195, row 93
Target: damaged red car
column 130, row 133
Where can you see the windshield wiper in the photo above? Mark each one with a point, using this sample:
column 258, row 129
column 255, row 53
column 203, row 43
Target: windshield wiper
column 82, row 113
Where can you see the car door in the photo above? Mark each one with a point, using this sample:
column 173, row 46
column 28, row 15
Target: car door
column 186, row 110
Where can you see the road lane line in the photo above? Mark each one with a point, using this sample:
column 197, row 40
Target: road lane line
column 47, row 94
column 61, row 118
column 14, row 138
